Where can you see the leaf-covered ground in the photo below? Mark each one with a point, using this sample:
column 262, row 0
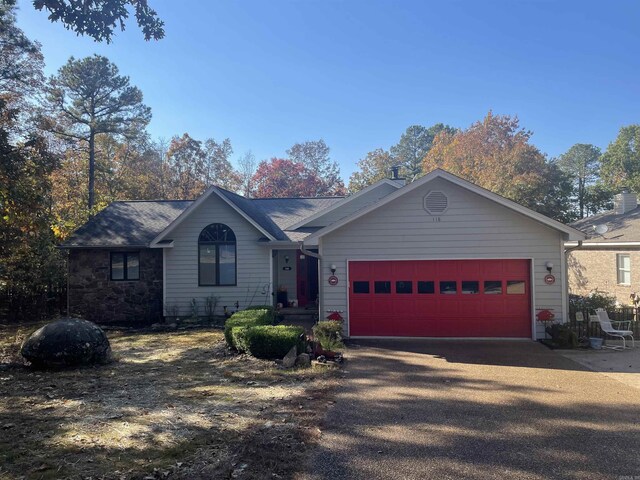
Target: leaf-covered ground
column 172, row 405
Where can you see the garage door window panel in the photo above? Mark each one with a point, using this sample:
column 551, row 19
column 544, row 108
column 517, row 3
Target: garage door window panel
column 493, row 287
column 515, row 287
column 404, row 286
column 381, row 286
column 470, row 287
column 360, row 287
column 426, row 287
column 448, row 287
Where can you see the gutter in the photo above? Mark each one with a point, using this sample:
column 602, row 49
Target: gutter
column 307, row 252
column 577, row 247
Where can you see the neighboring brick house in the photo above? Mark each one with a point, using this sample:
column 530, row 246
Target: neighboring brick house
column 608, row 261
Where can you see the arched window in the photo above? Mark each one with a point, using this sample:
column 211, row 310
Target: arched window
column 217, row 255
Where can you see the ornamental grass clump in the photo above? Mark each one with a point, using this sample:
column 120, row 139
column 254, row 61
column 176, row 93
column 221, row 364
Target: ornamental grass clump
column 329, row 334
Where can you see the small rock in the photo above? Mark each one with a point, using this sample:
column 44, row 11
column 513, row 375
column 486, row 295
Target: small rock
column 289, row 359
column 7, row 426
column 303, row 360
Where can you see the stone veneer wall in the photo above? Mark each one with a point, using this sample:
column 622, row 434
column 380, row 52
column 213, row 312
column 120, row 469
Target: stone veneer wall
column 94, row 296
column 597, row 269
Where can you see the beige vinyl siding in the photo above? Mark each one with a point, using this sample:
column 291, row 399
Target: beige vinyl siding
column 353, row 205
column 473, row 227
column 181, row 262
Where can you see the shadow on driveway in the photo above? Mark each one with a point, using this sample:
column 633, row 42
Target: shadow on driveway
column 478, row 410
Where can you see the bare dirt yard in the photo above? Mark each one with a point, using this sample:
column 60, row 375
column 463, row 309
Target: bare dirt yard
column 172, row 405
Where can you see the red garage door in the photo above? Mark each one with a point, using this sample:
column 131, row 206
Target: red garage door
column 440, row 298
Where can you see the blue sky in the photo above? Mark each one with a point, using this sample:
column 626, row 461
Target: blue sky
column 267, row 74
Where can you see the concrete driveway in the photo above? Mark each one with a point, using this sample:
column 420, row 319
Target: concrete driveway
column 476, row 410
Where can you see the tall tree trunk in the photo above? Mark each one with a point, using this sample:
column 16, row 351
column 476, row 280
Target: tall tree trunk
column 581, row 186
column 92, row 167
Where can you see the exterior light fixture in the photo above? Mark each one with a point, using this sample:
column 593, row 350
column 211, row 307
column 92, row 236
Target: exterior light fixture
column 286, row 259
column 549, row 266
column 333, row 269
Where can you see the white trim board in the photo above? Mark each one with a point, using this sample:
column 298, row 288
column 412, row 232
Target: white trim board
column 571, row 232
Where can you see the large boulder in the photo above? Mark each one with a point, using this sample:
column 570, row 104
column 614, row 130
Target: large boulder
column 69, row 341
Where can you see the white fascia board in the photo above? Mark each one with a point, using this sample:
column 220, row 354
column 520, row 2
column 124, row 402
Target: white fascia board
column 282, row 244
column 343, row 202
column 571, row 232
column 162, row 245
column 586, row 246
column 172, row 226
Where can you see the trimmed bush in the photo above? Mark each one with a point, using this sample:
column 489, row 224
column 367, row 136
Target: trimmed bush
column 270, row 308
column 329, row 334
column 246, row 318
column 268, row 341
column 239, row 338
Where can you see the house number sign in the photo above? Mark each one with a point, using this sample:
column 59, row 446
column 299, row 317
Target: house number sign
column 549, row 279
column 333, row 280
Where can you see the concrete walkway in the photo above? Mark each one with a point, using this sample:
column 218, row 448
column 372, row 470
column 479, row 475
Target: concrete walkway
column 621, row 365
column 476, row 410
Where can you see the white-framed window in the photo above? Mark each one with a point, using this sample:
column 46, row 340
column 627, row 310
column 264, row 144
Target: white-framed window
column 623, row 262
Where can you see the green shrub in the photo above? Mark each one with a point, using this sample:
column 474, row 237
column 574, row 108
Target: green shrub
column 246, row 318
column 268, row 341
column 589, row 303
column 260, row 307
column 329, row 334
column 269, row 308
column 239, row 338
column 562, row 336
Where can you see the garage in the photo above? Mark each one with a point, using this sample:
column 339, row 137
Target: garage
column 440, row 298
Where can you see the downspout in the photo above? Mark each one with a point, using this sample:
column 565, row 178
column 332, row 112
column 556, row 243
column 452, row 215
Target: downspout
column 307, row 252
column 571, row 249
column 566, row 272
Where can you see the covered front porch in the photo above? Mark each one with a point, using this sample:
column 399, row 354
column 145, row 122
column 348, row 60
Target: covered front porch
column 295, row 281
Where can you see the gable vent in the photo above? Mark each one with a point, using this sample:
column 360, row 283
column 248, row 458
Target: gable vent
column 436, row 203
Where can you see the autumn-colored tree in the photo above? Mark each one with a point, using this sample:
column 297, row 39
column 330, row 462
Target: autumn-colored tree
column 407, row 154
column 88, row 98
column 495, row 153
column 30, row 265
column 281, row 177
column 99, row 18
column 217, row 167
column 314, row 155
column 375, row 166
column 186, row 159
column 621, row 161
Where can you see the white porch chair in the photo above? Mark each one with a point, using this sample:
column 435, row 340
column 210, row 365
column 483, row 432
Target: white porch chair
column 607, row 328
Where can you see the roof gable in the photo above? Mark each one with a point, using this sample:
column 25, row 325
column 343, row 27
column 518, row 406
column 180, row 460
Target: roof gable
column 572, row 233
column 265, row 226
column 341, row 204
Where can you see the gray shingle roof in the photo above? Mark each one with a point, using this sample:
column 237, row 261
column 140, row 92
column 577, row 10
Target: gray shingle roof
column 137, row 223
column 622, row 227
column 127, row 224
column 289, row 211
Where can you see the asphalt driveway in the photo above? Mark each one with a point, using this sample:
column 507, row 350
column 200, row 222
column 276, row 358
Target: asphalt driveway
column 476, row 410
